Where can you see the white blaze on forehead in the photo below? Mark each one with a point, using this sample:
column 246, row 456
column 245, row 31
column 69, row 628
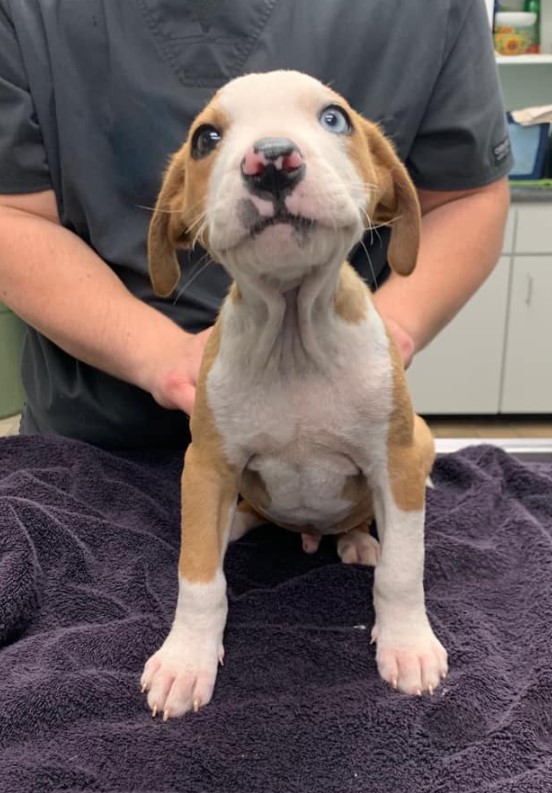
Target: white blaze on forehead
column 278, row 97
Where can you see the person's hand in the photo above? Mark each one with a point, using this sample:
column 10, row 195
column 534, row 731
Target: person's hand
column 403, row 340
column 174, row 379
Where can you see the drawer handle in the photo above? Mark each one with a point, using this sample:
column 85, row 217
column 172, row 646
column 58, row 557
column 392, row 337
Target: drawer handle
column 529, row 291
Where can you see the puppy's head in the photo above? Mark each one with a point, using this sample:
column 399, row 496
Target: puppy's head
column 279, row 175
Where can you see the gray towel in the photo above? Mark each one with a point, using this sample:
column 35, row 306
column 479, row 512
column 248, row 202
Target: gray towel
column 88, row 555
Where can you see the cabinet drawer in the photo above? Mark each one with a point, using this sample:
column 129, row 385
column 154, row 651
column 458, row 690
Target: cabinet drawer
column 527, row 384
column 460, row 371
column 534, row 228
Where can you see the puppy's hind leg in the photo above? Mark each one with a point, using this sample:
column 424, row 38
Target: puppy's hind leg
column 245, row 520
column 357, row 546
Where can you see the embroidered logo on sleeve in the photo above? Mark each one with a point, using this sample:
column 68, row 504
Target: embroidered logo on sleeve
column 501, row 150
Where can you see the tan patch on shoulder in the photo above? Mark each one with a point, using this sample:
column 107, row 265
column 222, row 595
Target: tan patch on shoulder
column 209, row 484
column 351, row 301
column 410, row 447
column 202, row 423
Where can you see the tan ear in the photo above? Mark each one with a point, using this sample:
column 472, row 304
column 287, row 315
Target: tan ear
column 167, row 230
column 398, row 203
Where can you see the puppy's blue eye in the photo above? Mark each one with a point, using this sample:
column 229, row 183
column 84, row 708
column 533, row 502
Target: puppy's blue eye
column 205, row 139
column 335, row 119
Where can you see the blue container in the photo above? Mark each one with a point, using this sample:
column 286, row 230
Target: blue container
column 529, row 146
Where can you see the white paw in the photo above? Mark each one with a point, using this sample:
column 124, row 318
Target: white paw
column 181, row 675
column 412, row 661
column 358, row 547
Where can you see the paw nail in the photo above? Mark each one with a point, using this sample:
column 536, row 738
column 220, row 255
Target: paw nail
column 154, row 711
column 418, row 692
column 166, row 714
column 395, row 683
column 144, row 688
column 430, row 689
column 197, row 705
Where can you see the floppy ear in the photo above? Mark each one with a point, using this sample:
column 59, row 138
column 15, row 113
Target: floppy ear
column 397, row 204
column 167, row 230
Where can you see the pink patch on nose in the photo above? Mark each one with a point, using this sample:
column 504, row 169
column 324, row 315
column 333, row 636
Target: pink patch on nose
column 253, row 163
column 290, row 162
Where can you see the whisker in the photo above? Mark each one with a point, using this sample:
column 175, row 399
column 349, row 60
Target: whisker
column 204, row 257
column 199, row 219
column 159, row 209
column 200, row 231
column 370, row 263
column 194, row 276
column 167, row 211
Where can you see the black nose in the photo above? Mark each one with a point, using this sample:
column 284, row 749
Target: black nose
column 272, row 167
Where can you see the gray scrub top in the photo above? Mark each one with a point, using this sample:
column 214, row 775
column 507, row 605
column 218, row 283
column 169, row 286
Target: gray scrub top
column 96, row 94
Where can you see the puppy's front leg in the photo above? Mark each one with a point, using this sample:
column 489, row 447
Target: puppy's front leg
column 409, row 655
column 182, row 673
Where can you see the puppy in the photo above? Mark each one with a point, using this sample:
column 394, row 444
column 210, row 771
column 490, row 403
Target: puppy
column 302, row 408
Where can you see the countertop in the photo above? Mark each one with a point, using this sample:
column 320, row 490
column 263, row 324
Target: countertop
column 527, row 195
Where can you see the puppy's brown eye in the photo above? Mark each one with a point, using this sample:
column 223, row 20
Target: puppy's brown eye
column 206, row 138
column 335, row 119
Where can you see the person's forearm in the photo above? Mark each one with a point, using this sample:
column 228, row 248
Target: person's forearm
column 58, row 285
column 460, row 245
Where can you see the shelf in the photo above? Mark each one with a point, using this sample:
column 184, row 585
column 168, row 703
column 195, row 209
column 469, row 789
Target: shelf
column 519, row 60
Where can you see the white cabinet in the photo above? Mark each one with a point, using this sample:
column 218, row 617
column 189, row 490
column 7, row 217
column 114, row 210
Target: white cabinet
column 528, row 360
column 461, row 370
column 496, row 355
column 534, row 229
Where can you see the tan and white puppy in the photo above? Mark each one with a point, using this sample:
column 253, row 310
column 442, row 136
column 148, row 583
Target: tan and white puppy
column 302, row 407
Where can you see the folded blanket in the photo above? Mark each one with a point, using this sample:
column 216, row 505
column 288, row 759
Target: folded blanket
column 88, row 560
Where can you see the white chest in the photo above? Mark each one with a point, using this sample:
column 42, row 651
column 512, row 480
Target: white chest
column 304, row 431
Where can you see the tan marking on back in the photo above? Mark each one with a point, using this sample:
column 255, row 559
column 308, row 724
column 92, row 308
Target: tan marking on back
column 410, row 447
column 351, row 296
column 209, row 484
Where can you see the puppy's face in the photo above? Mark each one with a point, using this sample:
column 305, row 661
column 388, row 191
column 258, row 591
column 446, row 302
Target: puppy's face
column 279, row 175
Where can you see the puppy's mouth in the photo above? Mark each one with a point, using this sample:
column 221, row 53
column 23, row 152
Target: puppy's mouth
column 297, row 222
column 254, row 223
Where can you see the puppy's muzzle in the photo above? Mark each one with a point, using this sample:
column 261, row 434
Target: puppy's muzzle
column 272, row 168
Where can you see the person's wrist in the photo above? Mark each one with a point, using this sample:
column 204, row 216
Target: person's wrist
column 162, row 340
column 172, row 371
